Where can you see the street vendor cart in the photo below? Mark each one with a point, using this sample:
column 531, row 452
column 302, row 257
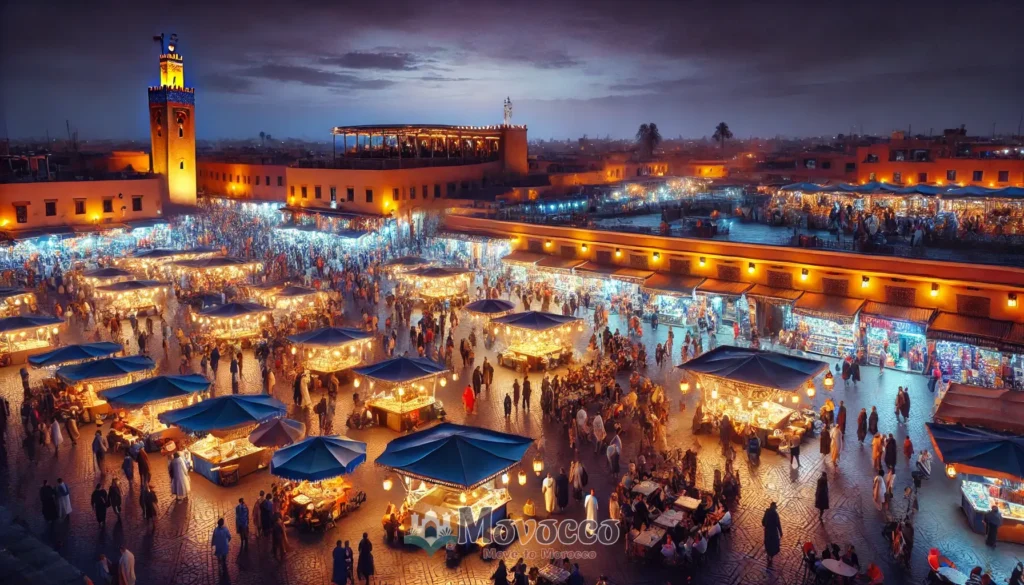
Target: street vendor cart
column 402, row 391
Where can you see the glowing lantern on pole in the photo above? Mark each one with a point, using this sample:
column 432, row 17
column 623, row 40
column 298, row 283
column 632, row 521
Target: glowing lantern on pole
column 684, row 386
column 829, row 380
column 387, row 484
column 538, row 465
column 522, row 477
column 951, row 471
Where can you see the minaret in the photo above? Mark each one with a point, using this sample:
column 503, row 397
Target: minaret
column 172, row 108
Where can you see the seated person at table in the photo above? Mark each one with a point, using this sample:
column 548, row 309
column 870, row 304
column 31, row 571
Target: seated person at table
column 714, row 530
column 700, row 543
column 726, row 521
column 641, row 515
column 668, row 550
column 700, row 513
column 873, row 576
column 850, row 558
column 936, row 561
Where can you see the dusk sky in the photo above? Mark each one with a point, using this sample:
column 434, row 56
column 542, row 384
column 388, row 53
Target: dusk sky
column 296, row 68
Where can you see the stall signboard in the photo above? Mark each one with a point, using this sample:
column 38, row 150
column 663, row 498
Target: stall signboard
column 905, row 327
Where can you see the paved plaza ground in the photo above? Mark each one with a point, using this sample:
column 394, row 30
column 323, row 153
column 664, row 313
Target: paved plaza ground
column 177, row 548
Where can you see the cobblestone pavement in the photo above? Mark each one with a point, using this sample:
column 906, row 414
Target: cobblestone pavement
column 176, row 547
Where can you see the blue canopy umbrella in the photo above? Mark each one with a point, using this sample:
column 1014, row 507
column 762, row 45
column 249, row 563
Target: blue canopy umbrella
column 130, row 285
column 456, row 456
column 979, row 451
column 401, row 369
column 318, row 458
column 75, row 353
column 535, row 320
column 27, row 322
column 756, row 367
column 231, row 310
column 491, row 307
column 295, row 290
column 278, row 432
column 108, row 272
column 329, row 336
column 154, row 390
column 105, row 368
column 224, row 413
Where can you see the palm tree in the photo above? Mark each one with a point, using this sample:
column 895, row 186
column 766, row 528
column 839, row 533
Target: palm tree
column 263, row 138
column 722, row 133
column 648, row 137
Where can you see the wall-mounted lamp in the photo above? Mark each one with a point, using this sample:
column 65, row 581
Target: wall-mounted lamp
column 803, row 274
column 935, row 289
column 750, row 267
column 1011, row 300
column 702, row 261
column 864, row 280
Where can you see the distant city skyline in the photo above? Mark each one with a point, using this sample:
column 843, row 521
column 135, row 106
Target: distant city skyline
column 595, row 67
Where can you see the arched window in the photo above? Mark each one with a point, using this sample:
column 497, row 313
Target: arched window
column 181, row 165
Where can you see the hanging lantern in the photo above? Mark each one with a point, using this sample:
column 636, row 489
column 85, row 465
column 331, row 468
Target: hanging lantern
column 796, row 399
column 538, row 465
column 462, row 497
column 522, row 477
column 54, row 330
column 580, row 328
column 388, row 484
column 684, row 386
column 495, row 330
column 504, row 478
column 443, row 382
column 810, row 392
column 714, row 394
column 829, row 380
column 951, row 471
column 455, row 377
column 356, row 382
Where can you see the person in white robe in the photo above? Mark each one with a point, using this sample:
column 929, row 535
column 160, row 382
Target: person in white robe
column 307, row 403
column 599, row 432
column 63, row 499
column 181, row 485
column 837, row 443
column 56, row 438
column 878, row 492
column 548, row 488
column 590, row 504
column 126, row 567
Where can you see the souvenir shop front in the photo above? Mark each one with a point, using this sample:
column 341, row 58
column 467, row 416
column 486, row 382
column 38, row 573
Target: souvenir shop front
column 771, row 309
column 476, row 250
column 825, row 325
column 559, row 272
column 613, row 283
column 672, row 298
column 896, row 333
column 968, row 350
column 727, row 300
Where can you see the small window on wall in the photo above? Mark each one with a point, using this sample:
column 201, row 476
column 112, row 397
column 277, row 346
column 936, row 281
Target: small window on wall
column 304, row 194
column 317, row 193
column 292, row 190
column 871, row 176
column 266, row 180
column 425, row 191
column 181, row 165
column 1004, row 176
column 951, row 175
column 257, row 180
column 280, row 181
column 51, row 208
column 437, row 191
column 21, row 213
column 350, row 194
column 922, row 177
column 108, row 206
column 977, row 176
column 79, row 206
column 369, row 195
column 395, row 194
column 897, row 177
column 137, row 203
column 334, row 194
column 412, row 192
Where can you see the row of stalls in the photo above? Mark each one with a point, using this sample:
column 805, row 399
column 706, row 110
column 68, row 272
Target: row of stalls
column 971, row 350
column 977, row 435
column 754, row 391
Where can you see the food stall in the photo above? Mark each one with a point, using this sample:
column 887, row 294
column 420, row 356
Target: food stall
column 772, row 309
column 404, row 264
column 967, row 349
column 139, row 404
column 103, row 276
column 826, row 324
column 131, row 296
column 977, row 436
column 74, row 354
column 232, row 321
column 755, row 389
column 14, row 301
column 402, row 391
column 898, row 332
column 448, row 468
column 87, row 378
column 726, row 299
column 23, row 336
column 318, row 494
column 672, row 297
column 224, row 453
column 291, row 298
column 214, row 273
column 438, row 282
column 490, row 308
column 332, row 349
column 150, row 261
column 536, row 340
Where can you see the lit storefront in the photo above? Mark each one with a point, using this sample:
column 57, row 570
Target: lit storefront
column 102, row 276
column 771, row 311
column 672, row 298
column 131, row 296
column 82, row 381
column 331, row 349
column 232, row 321
column 826, row 324
column 969, row 350
column 22, row 336
column 898, row 332
column 438, row 282
column 726, row 299
column 139, row 404
column 559, row 272
column 402, row 391
column 212, row 274
column 14, row 301
column 613, row 282
column 467, row 249
column 290, row 299
column 536, row 340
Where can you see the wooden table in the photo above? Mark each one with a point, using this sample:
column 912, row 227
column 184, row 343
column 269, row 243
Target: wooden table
column 669, row 519
column 686, row 503
column 838, row 567
column 646, row 488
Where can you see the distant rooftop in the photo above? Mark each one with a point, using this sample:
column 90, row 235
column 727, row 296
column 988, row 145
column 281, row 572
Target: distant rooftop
column 420, row 129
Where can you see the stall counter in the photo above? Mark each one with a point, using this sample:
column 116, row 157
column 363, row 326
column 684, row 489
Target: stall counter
column 401, row 416
column 208, row 461
column 976, row 502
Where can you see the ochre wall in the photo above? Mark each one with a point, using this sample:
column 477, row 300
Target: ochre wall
column 64, row 193
column 239, row 180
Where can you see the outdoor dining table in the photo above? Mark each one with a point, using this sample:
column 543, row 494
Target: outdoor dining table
column 687, row 503
column 669, row 519
column 650, row 538
column 952, row 575
column 646, row 488
column 837, row 567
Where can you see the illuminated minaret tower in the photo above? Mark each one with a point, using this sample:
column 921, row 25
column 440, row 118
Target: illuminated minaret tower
column 172, row 125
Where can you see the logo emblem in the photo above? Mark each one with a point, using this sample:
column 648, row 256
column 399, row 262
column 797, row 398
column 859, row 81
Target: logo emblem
column 430, row 532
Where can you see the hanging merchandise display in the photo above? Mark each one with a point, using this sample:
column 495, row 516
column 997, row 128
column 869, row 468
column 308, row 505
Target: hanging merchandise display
column 826, row 324
column 894, row 336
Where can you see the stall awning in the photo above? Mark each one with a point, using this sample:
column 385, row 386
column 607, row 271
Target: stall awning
column 524, row 257
column 1014, row 340
column 828, row 307
column 979, row 451
column 756, row 367
column 772, row 294
column 224, row 413
column 595, row 270
column 723, row 287
column 535, row 320
column 898, row 312
column 559, row 264
column 999, row 410
column 971, row 330
column 672, row 284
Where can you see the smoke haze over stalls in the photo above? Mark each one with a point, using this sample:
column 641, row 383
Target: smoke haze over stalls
column 296, row 68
